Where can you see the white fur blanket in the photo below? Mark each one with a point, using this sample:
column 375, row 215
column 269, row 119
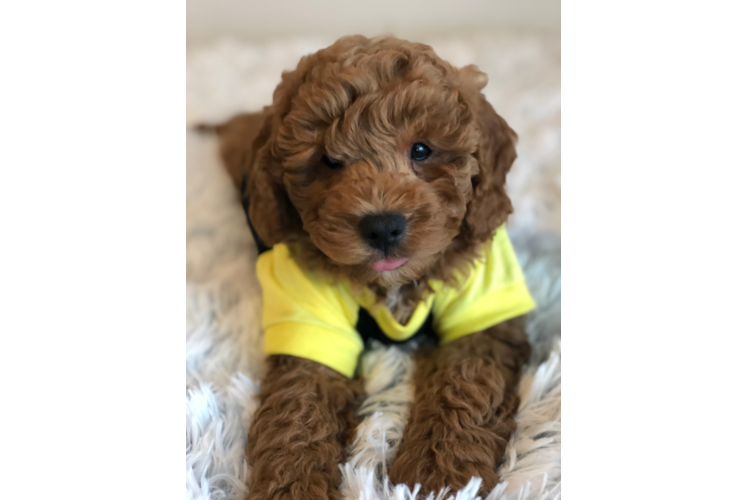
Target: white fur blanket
column 223, row 347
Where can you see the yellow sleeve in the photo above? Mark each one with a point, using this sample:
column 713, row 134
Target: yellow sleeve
column 305, row 317
column 493, row 292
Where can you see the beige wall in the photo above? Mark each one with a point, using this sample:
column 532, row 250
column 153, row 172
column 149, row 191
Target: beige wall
column 259, row 20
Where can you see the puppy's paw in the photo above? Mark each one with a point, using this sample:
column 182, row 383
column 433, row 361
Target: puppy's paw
column 301, row 486
column 436, row 468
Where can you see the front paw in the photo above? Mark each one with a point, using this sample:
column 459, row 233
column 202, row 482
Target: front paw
column 300, row 481
column 436, row 465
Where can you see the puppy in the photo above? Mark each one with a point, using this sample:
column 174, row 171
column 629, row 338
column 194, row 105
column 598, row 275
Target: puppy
column 374, row 187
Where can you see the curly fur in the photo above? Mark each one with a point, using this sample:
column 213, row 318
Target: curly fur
column 463, row 413
column 365, row 102
column 307, row 411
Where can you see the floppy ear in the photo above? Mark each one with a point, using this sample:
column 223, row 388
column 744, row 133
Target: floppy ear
column 490, row 206
column 271, row 215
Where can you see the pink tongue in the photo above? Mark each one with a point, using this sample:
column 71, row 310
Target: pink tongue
column 387, row 264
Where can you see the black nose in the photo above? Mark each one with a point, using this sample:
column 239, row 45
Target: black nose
column 383, row 231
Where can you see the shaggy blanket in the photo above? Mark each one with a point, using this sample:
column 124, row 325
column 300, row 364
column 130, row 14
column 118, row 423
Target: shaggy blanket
column 224, row 339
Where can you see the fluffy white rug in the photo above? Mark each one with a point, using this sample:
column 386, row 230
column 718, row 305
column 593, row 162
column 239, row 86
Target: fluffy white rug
column 223, row 348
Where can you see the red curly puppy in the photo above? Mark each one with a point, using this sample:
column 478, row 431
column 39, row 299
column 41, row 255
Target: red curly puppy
column 377, row 178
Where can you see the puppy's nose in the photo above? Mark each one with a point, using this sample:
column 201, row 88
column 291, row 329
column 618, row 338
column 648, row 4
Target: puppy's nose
column 383, row 231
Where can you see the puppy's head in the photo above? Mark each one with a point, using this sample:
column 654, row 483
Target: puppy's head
column 382, row 158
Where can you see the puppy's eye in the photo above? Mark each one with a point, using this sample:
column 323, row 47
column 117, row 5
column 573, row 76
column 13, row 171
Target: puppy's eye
column 332, row 163
column 419, row 152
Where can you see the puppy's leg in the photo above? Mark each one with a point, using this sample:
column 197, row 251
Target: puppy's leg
column 297, row 436
column 463, row 413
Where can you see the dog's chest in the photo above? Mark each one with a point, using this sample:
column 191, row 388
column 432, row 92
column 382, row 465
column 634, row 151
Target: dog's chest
column 401, row 304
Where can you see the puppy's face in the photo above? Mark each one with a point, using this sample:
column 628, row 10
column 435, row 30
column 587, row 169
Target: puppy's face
column 384, row 187
column 378, row 152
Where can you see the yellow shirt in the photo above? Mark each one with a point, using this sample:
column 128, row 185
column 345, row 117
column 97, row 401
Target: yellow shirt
column 307, row 317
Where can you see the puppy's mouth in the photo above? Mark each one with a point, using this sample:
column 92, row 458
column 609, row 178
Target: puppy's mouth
column 388, row 264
